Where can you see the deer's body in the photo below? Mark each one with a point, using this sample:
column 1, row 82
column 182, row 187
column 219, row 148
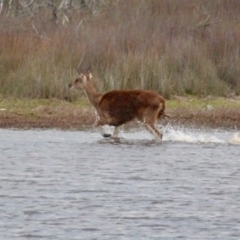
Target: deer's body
column 118, row 107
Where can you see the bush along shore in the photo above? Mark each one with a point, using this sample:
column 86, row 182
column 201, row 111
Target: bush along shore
column 188, row 49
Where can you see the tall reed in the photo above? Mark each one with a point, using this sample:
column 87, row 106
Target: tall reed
column 174, row 47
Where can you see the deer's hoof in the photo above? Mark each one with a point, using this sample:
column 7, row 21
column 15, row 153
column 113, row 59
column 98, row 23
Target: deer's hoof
column 107, row 135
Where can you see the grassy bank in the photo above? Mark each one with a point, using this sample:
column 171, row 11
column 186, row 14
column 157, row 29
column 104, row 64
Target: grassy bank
column 186, row 47
column 55, row 113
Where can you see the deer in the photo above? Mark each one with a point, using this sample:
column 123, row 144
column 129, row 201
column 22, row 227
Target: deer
column 118, row 107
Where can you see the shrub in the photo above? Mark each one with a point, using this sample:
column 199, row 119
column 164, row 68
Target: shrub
column 173, row 47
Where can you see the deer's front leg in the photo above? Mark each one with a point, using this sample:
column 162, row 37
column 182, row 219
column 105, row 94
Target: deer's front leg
column 99, row 124
column 116, row 131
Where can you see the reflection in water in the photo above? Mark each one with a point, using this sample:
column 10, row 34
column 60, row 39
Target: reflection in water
column 76, row 185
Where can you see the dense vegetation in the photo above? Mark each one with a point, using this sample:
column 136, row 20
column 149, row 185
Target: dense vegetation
column 175, row 47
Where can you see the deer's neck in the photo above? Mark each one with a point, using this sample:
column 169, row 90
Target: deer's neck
column 92, row 94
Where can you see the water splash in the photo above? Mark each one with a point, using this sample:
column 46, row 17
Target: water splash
column 235, row 138
column 200, row 136
column 192, row 136
column 181, row 134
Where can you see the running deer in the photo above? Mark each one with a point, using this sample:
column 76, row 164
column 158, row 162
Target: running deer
column 118, row 107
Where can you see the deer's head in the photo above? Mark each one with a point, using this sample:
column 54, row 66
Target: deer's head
column 81, row 81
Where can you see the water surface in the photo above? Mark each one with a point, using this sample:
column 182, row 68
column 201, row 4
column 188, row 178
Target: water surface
column 75, row 185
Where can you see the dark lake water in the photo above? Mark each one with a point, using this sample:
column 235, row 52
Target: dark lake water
column 75, row 185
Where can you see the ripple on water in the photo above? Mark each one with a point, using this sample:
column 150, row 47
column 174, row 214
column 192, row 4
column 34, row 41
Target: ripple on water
column 76, row 185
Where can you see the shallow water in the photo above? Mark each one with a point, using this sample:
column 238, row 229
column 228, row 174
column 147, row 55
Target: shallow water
column 75, row 185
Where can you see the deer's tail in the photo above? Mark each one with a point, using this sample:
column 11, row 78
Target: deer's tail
column 161, row 112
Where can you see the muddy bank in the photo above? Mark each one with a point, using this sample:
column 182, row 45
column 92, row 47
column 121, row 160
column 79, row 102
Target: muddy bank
column 216, row 118
column 77, row 118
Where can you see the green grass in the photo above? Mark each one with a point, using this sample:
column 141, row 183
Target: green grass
column 28, row 107
column 194, row 103
column 55, row 113
column 38, row 106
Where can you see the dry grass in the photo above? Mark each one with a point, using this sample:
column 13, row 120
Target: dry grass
column 174, row 47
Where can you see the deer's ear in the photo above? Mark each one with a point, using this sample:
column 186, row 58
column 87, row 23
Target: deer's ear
column 89, row 74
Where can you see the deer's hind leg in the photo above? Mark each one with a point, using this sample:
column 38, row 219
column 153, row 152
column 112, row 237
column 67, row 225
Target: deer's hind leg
column 153, row 130
column 149, row 119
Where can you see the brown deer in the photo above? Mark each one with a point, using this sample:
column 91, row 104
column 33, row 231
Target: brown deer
column 118, row 107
